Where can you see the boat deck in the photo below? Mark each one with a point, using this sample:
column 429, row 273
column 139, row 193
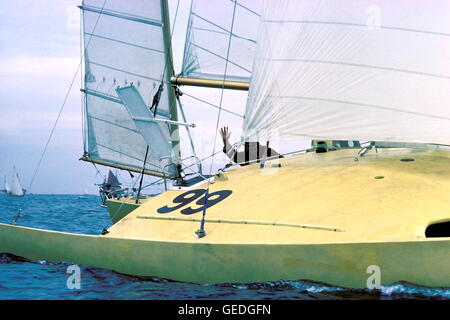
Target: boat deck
column 312, row 198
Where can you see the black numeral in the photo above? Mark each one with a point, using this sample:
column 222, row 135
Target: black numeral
column 189, row 196
column 213, row 198
column 183, row 199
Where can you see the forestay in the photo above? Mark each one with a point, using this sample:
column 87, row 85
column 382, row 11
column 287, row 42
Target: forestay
column 126, row 43
column 353, row 70
column 208, row 38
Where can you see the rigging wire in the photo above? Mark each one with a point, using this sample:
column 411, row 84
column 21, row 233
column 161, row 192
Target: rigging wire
column 168, row 57
column 201, row 232
column 114, row 215
column 213, row 105
column 64, row 102
column 98, row 171
column 173, row 102
column 170, row 42
column 83, row 100
column 133, row 187
column 223, row 88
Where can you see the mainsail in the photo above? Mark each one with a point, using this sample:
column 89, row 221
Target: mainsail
column 208, row 39
column 128, row 43
column 374, row 70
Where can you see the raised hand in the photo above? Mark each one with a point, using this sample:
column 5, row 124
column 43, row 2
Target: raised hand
column 225, row 134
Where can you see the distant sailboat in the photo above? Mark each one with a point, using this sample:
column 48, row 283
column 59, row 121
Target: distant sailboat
column 5, row 186
column 14, row 187
column 110, row 187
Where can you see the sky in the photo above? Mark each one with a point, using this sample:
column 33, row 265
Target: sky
column 39, row 56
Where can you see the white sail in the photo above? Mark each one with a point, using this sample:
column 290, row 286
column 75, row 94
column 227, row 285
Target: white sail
column 126, row 43
column 7, row 187
column 208, row 39
column 14, row 188
column 112, row 181
column 352, row 70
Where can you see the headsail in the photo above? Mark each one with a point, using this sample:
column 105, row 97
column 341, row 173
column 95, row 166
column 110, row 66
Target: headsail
column 208, row 34
column 127, row 42
column 361, row 70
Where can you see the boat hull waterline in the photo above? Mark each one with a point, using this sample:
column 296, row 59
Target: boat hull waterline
column 346, row 264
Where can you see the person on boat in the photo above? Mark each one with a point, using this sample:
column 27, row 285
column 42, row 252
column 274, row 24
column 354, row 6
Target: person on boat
column 253, row 151
column 329, row 145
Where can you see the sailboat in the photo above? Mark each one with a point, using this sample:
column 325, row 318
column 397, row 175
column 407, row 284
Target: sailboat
column 337, row 213
column 14, row 187
column 110, row 188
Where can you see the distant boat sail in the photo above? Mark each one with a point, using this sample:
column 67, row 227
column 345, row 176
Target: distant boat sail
column 110, row 187
column 6, row 186
column 13, row 187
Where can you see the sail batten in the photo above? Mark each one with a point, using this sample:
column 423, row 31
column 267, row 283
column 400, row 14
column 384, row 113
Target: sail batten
column 123, row 42
column 117, row 100
column 356, row 25
column 124, row 71
column 121, row 15
column 101, row 95
column 385, row 68
column 120, row 166
column 377, row 72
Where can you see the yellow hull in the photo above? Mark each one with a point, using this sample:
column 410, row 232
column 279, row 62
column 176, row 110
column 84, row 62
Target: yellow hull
column 321, row 217
column 419, row 262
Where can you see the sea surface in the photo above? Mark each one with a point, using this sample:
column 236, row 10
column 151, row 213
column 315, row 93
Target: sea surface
column 24, row 279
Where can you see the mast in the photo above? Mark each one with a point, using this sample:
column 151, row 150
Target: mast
column 175, row 135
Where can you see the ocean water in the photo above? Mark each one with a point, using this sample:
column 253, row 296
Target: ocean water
column 24, row 279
